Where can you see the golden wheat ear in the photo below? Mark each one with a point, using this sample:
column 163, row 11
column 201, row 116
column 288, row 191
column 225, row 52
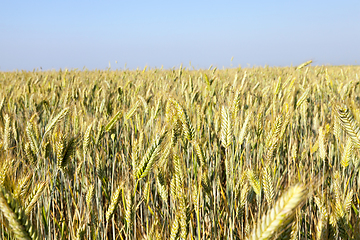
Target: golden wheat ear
column 280, row 214
column 349, row 124
column 304, row 64
column 19, row 224
column 113, row 203
column 34, row 197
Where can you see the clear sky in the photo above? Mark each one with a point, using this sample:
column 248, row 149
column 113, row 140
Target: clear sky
column 75, row 34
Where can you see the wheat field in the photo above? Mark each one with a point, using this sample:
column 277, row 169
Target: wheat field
column 241, row 153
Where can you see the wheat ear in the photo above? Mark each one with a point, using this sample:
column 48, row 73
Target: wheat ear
column 112, row 122
column 322, row 224
column 7, row 133
column 34, row 197
column 304, row 65
column 349, row 124
column 322, row 146
column 149, row 158
column 275, row 219
column 182, row 115
column 226, row 128
column 131, row 112
column 347, row 154
column 113, row 203
column 268, row 185
column 87, row 139
column 65, row 150
column 90, row 195
column 273, row 140
column 19, row 224
column 55, row 120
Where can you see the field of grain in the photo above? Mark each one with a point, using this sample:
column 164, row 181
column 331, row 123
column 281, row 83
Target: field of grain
column 253, row 153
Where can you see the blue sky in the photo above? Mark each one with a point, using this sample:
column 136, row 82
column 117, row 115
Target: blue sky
column 77, row 34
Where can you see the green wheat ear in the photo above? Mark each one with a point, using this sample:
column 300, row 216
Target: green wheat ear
column 132, row 110
column 55, row 120
column 19, row 224
column 65, row 150
column 182, row 115
column 112, row 122
column 149, row 158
